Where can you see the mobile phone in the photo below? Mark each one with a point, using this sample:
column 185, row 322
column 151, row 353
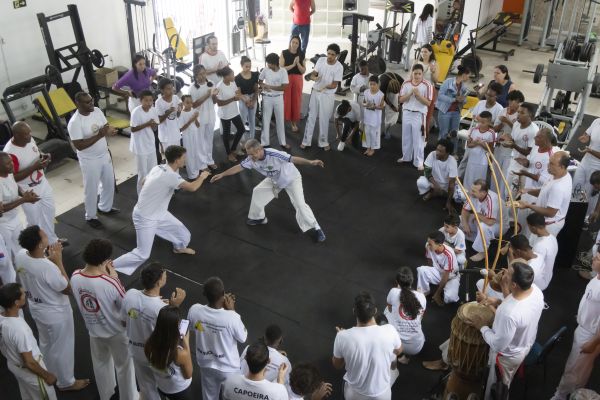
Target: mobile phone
column 183, row 327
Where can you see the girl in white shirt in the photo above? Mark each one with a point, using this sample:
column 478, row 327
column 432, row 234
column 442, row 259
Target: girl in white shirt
column 424, row 29
column 189, row 125
column 373, row 102
column 226, row 98
column 168, row 107
column 202, row 91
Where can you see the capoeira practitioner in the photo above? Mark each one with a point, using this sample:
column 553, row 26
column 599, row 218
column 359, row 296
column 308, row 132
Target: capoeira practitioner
column 327, row 74
column 18, row 345
column 554, row 197
column 586, row 340
column 99, row 295
column 415, row 95
column 88, row 130
column 455, row 238
column 47, row 286
column 521, row 141
column 443, row 272
column 440, row 172
column 189, row 125
column 29, row 164
column 144, row 119
column 11, row 197
column 202, row 92
column 480, row 139
column 139, row 311
column 151, row 215
column 590, row 162
column 487, row 208
column 515, row 326
column 168, row 107
column 273, row 80
column 281, row 174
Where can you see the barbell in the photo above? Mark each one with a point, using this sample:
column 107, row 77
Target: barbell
column 539, row 72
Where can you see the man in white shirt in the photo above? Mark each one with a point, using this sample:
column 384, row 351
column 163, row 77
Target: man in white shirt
column 144, row 120
column 487, row 208
column 11, row 197
column 328, row 73
column 139, row 311
column 281, row 174
column 589, row 142
column 586, row 340
column 515, row 325
column 218, row 329
column 99, row 296
column 29, row 164
column 443, row 271
column 88, row 130
column 554, row 197
column 254, row 384
column 439, row 176
column 366, row 351
column 273, row 80
column 19, row 347
column 47, row 285
column 151, row 215
column 213, row 59
column 542, row 242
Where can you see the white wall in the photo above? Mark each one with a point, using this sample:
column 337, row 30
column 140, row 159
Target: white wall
column 104, row 26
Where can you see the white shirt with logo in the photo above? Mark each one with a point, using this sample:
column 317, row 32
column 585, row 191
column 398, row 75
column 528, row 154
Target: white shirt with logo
column 408, row 328
column 23, row 158
column 84, row 127
column 142, row 141
column 168, row 130
column 139, row 312
column 412, row 104
column 238, row 387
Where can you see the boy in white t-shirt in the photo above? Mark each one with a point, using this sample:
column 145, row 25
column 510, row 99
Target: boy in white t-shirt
column 168, row 107
column 373, row 103
column 144, row 119
column 189, row 125
column 202, row 92
column 360, row 81
column 480, row 138
column 455, row 238
column 273, row 80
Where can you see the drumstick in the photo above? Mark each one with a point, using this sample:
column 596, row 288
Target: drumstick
column 495, row 178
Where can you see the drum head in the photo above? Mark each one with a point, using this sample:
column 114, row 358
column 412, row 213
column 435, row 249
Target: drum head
column 477, row 313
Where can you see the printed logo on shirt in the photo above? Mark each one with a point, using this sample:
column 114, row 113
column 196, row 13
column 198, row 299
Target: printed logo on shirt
column 95, row 128
column 538, row 165
column 36, row 178
column 250, row 394
column 89, row 302
column 31, row 298
column 132, row 313
column 199, row 327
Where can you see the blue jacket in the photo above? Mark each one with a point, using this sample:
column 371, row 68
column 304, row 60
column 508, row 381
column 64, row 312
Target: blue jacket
column 447, row 95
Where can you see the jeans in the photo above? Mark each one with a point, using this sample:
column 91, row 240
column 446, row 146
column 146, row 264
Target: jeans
column 239, row 126
column 248, row 115
column 447, row 122
column 303, row 31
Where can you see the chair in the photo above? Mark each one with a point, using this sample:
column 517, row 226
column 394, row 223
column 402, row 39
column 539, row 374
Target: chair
column 539, row 353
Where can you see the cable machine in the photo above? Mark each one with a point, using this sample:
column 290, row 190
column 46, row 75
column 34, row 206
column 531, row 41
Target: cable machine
column 135, row 12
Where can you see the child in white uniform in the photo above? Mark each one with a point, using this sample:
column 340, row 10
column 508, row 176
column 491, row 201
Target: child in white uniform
column 189, row 125
column 144, row 119
column 373, row 104
column 202, row 91
column 273, row 81
column 479, row 137
column 455, row 238
column 168, row 106
column 443, row 272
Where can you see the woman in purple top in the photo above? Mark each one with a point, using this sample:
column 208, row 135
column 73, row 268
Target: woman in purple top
column 137, row 79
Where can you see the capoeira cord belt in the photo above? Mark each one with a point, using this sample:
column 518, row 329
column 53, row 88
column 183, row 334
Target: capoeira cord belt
column 42, row 384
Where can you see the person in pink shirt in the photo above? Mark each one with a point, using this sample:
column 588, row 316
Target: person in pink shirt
column 302, row 10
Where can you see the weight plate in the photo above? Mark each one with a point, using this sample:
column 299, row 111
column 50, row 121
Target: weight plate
column 539, row 72
column 559, row 100
column 590, row 52
column 578, row 50
column 97, row 58
column 569, row 49
column 53, row 75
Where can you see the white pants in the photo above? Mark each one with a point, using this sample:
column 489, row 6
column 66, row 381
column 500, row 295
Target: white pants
column 320, row 106
column 57, row 342
column 193, row 155
column 168, row 228
column 579, row 366
column 144, row 162
column 211, row 380
column 145, row 379
column 427, row 275
column 7, row 271
column 110, row 355
column 581, row 181
column 10, row 228
column 96, row 172
column 373, row 136
column 265, row 191
column 490, row 232
column 270, row 105
column 473, row 172
column 42, row 212
column 31, row 386
column 207, row 133
column 424, row 186
column 489, row 291
column 413, row 144
column 351, row 394
column 509, row 367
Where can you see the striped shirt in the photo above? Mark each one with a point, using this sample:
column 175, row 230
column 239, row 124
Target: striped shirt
column 487, row 207
column 444, row 261
column 276, row 165
column 99, row 299
column 412, row 104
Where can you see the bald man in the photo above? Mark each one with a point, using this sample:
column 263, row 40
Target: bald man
column 28, row 169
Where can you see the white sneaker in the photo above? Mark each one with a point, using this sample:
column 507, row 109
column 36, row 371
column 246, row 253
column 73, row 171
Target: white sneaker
column 341, row 146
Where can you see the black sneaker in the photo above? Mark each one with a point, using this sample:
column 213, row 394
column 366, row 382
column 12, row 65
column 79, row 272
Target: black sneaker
column 95, row 223
column 254, row 222
column 320, row 238
column 112, row 211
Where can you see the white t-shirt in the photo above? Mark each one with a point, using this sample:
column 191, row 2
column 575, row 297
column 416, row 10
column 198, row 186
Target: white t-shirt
column 217, row 333
column 501, row 151
column 367, row 352
column 481, row 106
column 9, row 192
column 159, row 186
column 547, row 248
column 168, row 130
column 408, row 328
column 523, row 137
column 328, row 74
column 99, row 299
column 442, row 171
column 556, row 194
column 444, row 261
column 588, row 314
column 538, row 165
column 184, row 118
column 354, row 114
column 226, row 92
column 212, row 62
column 139, row 312
column 274, row 78
column 23, row 158
column 84, row 127
column 238, row 387
column 588, row 159
column 477, row 153
column 457, row 242
column 488, row 206
column 358, row 81
column 372, row 117
column 412, row 104
column 276, row 165
column 43, row 283
column 16, row 338
column 275, row 361
column 207, row 108
column 515, row 324
column 542, row 274
column 142, row 141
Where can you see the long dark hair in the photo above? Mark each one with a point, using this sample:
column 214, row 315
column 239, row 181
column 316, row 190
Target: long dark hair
column 427, row 12
column 504, row 70
column 135, row 60
column 428, row 47
column 161, row 346
column 299, row 43
column 198, row 68
column 408, row 301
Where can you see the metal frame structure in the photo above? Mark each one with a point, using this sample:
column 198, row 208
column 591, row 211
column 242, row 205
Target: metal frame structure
column 390, row 8
column 131, row 33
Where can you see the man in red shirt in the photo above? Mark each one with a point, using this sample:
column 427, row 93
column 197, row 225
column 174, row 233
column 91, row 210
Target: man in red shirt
column 302, row 10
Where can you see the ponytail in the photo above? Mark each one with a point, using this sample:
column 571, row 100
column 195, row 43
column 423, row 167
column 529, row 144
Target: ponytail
column 408, row 301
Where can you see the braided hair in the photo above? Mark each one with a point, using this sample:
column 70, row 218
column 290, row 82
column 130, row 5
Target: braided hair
column 409, row 304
